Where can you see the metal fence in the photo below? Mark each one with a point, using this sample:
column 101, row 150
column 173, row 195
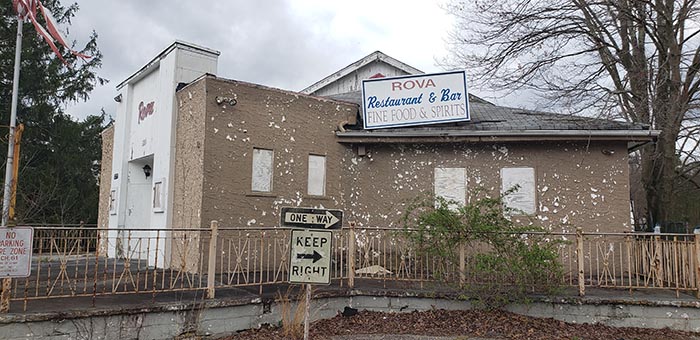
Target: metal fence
column 90, row 262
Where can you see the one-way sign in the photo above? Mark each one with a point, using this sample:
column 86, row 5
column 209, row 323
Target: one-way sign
column 312, row 218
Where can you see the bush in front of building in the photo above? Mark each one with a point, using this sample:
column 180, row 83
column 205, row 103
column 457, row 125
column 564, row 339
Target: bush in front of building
column 503, row 262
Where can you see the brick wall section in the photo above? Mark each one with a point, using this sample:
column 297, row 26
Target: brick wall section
column 576, row 184
column 105, row 184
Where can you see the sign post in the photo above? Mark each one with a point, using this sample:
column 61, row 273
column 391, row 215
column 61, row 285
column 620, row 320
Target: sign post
column 310, row 248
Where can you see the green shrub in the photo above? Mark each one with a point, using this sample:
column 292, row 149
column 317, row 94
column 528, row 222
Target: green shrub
column 506, row 261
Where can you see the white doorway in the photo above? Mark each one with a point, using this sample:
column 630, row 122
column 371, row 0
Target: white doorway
column 138, row 241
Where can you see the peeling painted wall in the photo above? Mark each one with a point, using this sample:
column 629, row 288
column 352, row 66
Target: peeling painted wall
column 188, row 174
column 105, row 181
column 576, row 184
column 294, row 126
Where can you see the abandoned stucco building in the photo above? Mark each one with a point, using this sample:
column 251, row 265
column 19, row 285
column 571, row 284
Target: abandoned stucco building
column 188, row 147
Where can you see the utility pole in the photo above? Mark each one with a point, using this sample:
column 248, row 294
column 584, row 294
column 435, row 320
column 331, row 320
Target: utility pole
column 9, row 165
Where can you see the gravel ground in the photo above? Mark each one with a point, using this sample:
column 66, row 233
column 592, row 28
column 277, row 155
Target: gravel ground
column 462, row 325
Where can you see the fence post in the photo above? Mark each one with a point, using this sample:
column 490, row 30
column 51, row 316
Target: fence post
column 658, row 264
column 697, row 262
column 462, row 264
column 351, row 255
column 6, row 287
column 580, row 262
column 211, row 268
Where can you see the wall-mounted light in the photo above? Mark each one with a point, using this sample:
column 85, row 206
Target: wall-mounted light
column 118, row 98
column 147, row 170
column 226, row 100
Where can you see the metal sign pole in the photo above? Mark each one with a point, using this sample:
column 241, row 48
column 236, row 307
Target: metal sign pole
column 11, row 138
column 306, row 311
column 310, row 248
column 7, row 282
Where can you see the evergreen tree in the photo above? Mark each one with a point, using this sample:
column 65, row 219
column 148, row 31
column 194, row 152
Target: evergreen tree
column 59, row 161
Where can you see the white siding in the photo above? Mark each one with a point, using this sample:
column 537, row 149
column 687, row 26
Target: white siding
column 353, row 81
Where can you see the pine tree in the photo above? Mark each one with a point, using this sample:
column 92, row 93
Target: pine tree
column 59, row 161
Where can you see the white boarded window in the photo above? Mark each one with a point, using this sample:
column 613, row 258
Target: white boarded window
column 451, row 184
column 113, row 202
column 262, row 170
column 523, row 199
column 316, row 184
column 158, row 196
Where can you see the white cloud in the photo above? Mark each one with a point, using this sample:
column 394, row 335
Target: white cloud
column 287, row 44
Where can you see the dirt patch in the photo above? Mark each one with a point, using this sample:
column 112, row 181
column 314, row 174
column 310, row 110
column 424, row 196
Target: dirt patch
column 465, row 324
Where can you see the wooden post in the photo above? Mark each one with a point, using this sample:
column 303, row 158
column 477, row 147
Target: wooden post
column 697, row 262
column 306, row 311
column 5, row 299
column 580, row 262
column 658, row 264
column 351, row 255
column 211, row 267
column 462, row 264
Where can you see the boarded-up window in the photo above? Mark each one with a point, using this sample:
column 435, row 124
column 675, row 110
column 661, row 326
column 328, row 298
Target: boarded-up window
column 523, row 199
column 262, row 170
column 317, row 175
column 158, row 196
column 113, row 202
column 450, row 183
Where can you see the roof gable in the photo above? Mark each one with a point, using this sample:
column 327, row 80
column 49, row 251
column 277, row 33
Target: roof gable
column 377, row 56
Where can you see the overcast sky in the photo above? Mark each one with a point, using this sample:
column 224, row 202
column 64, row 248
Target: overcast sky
column 288, row 44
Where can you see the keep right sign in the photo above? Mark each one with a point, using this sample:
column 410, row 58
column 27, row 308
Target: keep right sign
column 310, row 257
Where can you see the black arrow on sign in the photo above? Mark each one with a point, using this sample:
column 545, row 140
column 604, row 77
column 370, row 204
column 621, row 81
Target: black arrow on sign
column 315, row 256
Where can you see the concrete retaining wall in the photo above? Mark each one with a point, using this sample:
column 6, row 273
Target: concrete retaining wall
column 213, row 320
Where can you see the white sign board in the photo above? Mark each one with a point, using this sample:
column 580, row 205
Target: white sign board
column 415, row 100
column 310, row 256
column 16, row 251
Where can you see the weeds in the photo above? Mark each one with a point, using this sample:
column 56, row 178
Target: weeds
column 292, row 306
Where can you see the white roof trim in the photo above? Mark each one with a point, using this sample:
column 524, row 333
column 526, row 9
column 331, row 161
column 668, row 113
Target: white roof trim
column 155, row 62
column 374, row 56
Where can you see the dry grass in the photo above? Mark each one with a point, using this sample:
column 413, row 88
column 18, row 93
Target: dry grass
column 292, row 310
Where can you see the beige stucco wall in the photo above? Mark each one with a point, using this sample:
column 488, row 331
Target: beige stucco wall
column 188, row 174
column 213, row 167
column 293, row 126
column 105, row 180
column 576, row 183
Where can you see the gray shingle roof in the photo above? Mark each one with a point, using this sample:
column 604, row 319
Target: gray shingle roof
column 488, row 117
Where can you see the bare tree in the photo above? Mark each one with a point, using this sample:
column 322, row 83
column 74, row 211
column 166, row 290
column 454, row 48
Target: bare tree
column 632, row 59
